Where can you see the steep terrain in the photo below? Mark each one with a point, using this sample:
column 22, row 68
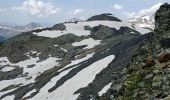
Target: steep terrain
column 147, row 77
column 69, row 60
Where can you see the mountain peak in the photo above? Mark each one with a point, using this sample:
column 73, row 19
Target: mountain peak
column 105, row 16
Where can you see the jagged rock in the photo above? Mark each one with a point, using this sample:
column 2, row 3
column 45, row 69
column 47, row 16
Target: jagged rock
column 106, row 16
column 162, row 18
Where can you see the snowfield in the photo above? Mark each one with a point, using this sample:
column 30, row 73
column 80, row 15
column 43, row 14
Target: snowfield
column 78, row 29
column 89, row 42
column 80, row 80
column 38, row 68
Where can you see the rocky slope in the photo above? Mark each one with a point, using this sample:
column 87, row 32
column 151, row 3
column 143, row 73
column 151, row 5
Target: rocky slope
column 147, row 76
column 68, row 61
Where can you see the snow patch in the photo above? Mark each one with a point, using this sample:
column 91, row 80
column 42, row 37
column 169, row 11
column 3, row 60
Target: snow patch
column 29, row 93
column 39, row 67
column 78, row 28
column 82, row 79
column 9, row 98
column 7, row 68
column 89, row 42
column 104, row 90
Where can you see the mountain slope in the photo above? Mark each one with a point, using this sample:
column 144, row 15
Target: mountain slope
column 147, row 75
column 67, row 61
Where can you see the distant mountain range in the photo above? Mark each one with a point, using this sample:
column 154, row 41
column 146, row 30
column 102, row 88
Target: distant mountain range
column 145, row 21
column 7, row 31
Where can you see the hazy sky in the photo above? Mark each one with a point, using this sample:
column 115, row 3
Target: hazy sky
column 55, row 11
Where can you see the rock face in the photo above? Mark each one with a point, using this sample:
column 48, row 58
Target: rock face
column 107, row 16
column 146, row 77
column 162, row 18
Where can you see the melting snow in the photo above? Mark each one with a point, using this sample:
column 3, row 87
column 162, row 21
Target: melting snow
column 7, row 68
column 53, row 81
column 82, row 79
column 78, row 29
column 29, row 93
column 39, row 67
column 89, row 42
column 104, row 90
column 9, row 98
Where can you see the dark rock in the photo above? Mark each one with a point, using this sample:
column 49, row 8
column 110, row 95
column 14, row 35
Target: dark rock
column 165, row 43
column 87, row 27
column 31, row 66
column 164, row 56
column 162, row 18
column 11, row 74
column 101, row 32
column 60, row 27
column 127, row 30
column 149, row 61
column 68, row 38
column 106, row 16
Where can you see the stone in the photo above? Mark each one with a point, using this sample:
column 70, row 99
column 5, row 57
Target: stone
column 148, row 76
column 149, row 61
column 164, row 56
column 157, row 80
column 141, row 84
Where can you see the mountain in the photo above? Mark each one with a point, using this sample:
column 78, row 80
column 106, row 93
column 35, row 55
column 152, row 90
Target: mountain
column 69, row 60
column 144, row 21
column 9, row 31
column 146, row 77
column 28, row 27
column 145, row 18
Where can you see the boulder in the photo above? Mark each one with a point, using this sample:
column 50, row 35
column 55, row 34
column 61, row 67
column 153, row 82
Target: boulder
column 164, row 56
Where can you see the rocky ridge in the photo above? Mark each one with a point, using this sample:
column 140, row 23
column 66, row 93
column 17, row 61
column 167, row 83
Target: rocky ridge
column 147, row 76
